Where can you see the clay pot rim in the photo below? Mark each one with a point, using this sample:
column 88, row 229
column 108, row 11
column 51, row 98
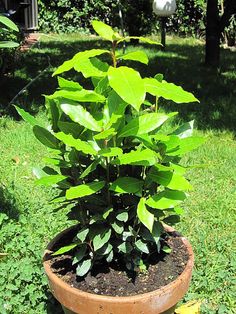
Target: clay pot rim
column 160, row 291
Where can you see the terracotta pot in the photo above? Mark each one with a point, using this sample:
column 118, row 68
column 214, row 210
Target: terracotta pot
column 160, row 301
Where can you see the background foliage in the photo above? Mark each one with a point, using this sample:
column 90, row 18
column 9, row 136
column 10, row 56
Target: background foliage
column 75, row 15
column 68, row 16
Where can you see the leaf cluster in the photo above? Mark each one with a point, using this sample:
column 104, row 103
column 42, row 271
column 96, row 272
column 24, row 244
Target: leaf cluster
column 111, row 158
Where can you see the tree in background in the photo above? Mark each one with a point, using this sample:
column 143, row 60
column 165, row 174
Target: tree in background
column 138, row 17
column 216, row 24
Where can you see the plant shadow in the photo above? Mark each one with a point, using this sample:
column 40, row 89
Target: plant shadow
column 181, row 64
column 53, row 306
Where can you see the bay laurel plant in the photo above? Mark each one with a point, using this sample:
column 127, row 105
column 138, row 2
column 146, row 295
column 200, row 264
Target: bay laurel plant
column 111, row 158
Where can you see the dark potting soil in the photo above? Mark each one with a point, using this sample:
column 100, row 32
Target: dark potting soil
column 114, row 281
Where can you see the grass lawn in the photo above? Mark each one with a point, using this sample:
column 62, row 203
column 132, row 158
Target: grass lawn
column 28, row 221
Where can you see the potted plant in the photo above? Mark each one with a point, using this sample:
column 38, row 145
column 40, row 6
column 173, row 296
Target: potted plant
column 116, row 162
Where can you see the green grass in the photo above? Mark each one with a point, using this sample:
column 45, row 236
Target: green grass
column 28, row 221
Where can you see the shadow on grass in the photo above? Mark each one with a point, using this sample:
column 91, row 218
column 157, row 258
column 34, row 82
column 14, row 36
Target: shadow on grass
column 53, row 306
column 184, row 66
column 181, row 64
column 8, row 204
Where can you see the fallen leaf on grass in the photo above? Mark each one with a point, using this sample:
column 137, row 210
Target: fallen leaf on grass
column 3, row 255
column 192, row 307
column 16, row 160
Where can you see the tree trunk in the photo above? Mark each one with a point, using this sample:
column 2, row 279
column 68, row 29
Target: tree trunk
column 212, row 57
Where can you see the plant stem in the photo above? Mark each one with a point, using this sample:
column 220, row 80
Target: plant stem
column 108, row 180
column 108, row 176
column 156, row 106
column 113, row 54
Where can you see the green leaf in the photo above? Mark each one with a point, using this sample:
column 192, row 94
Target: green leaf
column 125, row 247
column 107, row 134
column 116, row 104
column 186, row 145
column 185, row 130
column 140, row 56
column 46, row 171
column 145, row 157
column 166, row 199
column 157, row 230
column 39, row 172
column 50, row 180
column 79, row 145
column 143, row 124
column 70, row 128
column 171, row 143
column 52, row 113
column 143, row 39
column 59, row 199
column 92, row 67
column 78, row 95
column 91, row 53
column 45, row 137
column 168, row 91
column 146, row 218
column 83, row 268
column 101, row 239
column 109, row 258
column 107, row 212
column 141, row 246
column 159, row 77
column 102, row 85
column 89, row 169
column 178, row 210
column 67, row 84
column 65, row 249
column 106, row 249
column 126, row 185
column 82, row 234
column 128, row 84
column 105, row 31
column 84, row 190
column 178, row 169
column 79, row 255
column 80, row 115
column 123, row 216
column 118, row 226
column 110, row 152
column 147, row 141
column 114, row 113
column 166, row 249
column 8, row 23
column 27, row 117
column 169, row 179
column 66, row 66
column 8, row 44
column 172, row 220
column 79, row 57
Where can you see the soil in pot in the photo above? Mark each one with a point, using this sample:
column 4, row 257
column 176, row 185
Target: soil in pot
column 113, row 280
